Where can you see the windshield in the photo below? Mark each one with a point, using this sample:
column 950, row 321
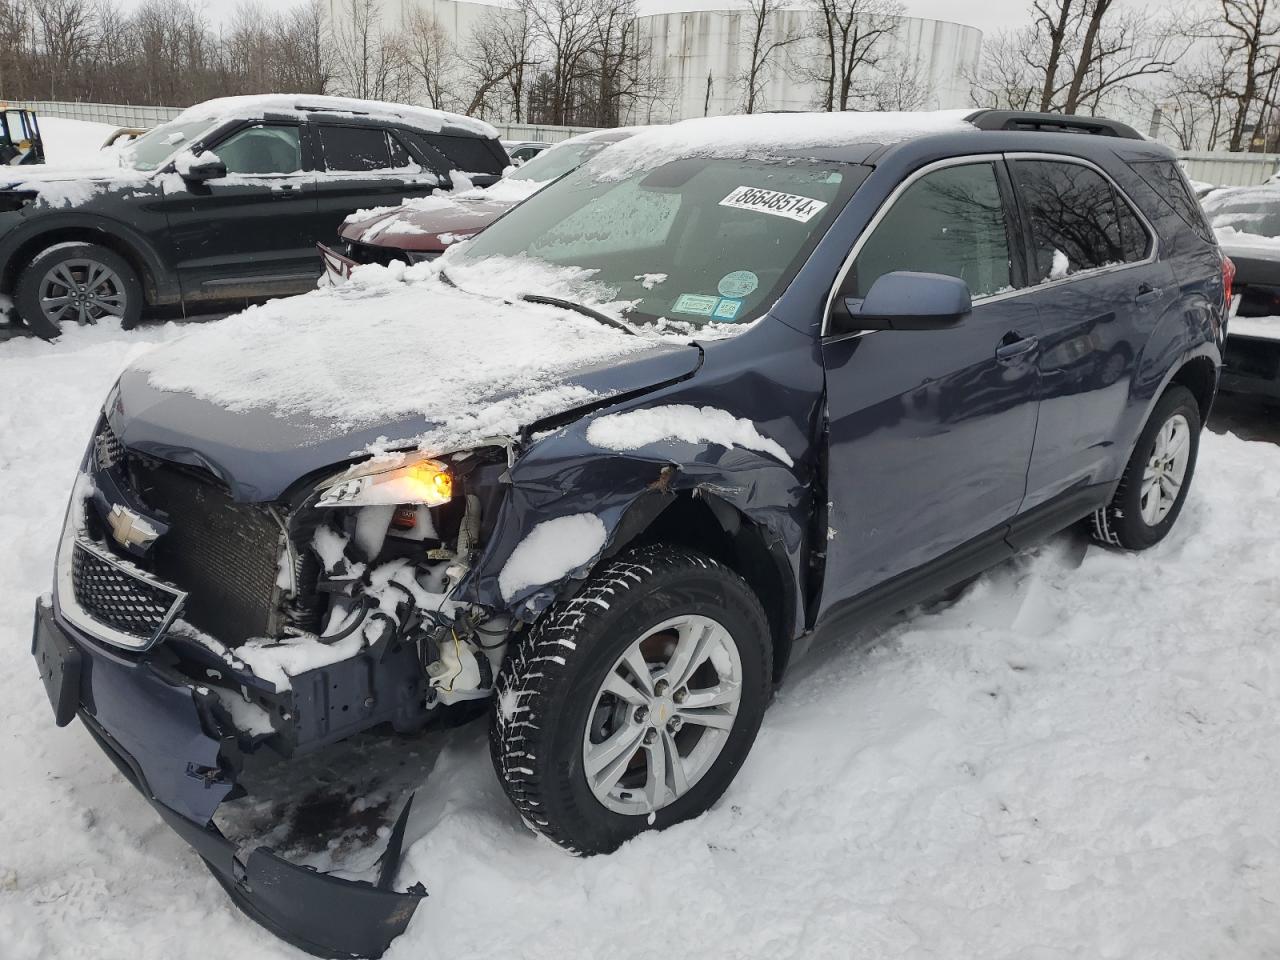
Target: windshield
column 1255, row 210
column 554, row 162
column 156, row 146
column 695, row 240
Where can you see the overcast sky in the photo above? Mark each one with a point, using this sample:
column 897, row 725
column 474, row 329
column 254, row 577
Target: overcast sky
column 987, row 15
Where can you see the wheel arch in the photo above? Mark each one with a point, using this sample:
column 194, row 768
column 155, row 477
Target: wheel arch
column 705, row 522
column 1200, row 376
column 31, row 247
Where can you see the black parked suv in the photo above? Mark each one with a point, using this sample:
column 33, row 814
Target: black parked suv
column 222, row 206
column 608, row 467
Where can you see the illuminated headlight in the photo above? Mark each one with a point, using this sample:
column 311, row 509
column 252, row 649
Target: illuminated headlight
column 392, row 480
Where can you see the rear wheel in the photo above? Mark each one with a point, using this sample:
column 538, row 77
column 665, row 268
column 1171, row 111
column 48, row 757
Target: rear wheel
column 1157, row 478
column 633, row 704
column 77, row 283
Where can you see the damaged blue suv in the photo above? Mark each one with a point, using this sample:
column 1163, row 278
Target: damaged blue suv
column 606, row 469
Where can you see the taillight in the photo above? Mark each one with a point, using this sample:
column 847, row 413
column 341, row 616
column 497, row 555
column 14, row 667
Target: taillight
column 1228, row 280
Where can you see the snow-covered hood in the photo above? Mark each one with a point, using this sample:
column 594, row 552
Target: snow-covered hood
column 68, row 186
column 435, row 222
column 393, row 359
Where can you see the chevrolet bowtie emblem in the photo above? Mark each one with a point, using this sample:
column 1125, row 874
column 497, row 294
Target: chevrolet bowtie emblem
column 130, row 529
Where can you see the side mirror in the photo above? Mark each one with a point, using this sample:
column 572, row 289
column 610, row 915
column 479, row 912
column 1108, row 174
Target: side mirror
column 200, row 170
column 904, row 300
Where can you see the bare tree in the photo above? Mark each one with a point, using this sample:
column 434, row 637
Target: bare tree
column 854, row 36
column 432, row 59
column 369, row 63
column 1247, row 34
column 901, row 84
column 765, row 38
column 498, row 57
column 1005, row 78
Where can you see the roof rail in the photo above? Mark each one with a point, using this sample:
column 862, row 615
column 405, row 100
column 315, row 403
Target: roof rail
column 1051, row 123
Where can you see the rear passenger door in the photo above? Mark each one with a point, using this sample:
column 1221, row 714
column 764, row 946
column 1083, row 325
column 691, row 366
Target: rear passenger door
column 1100, row 291
column 363, row 167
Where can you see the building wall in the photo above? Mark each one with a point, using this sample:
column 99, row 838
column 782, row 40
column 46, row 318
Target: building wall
column 703, row 52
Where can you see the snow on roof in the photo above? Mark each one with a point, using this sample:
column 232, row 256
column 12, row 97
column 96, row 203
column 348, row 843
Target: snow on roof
column 763, row 135
column 305, row 103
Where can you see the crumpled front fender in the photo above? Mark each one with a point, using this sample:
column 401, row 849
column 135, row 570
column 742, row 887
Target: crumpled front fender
column 627, row 491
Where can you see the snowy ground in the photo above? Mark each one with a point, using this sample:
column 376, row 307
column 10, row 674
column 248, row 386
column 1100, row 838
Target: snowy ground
column 1076, row 759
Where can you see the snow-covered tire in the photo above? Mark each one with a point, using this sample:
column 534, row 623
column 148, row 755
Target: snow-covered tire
column 553, row 685
column 59, row 265
column 1122, row 523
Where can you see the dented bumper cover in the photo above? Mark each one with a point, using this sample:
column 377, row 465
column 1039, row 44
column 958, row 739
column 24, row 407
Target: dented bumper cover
column 164, row 740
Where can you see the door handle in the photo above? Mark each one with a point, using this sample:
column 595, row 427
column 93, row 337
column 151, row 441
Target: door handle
column 1011, row 350
column 1147, row 293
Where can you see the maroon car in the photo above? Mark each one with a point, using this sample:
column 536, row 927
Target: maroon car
column 423, row 228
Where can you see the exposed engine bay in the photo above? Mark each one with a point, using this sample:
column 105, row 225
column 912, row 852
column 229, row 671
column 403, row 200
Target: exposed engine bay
column 311, row 620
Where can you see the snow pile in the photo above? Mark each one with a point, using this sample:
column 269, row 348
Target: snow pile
column 298, row 104
column 1234, row 238
column 764, row 135
column 511, row 190
column 72, row 142
column 398, row 341
column 680, row 422
column 278, row 660
column 1260, row 328
column 553, row 549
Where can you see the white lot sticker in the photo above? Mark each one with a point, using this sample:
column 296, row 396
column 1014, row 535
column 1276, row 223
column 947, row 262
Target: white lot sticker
column 801, row 209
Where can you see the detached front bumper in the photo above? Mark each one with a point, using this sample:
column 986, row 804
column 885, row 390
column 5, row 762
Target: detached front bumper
column 162, row 736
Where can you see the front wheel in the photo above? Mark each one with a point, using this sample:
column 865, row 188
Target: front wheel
column 1157, row 477
column 633, row 704
column 77, row 283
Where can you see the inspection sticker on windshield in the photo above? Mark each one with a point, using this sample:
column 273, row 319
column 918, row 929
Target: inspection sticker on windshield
column 695, row 303
column 801, row 209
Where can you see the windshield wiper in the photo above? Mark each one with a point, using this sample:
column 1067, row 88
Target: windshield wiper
column 586, row 311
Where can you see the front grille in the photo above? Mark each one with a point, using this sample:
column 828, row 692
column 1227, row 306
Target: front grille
column 224, row 554
column 120, row 598
column 373, row 253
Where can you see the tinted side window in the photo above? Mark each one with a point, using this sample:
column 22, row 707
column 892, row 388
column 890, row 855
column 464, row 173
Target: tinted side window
column 468, row 154
column 1167, row 180
column 267, row 148
column 1134, row 238
column 354, row 148
column 400, row 158
column 1077, row 221
column 436, row 161
column 951, row 221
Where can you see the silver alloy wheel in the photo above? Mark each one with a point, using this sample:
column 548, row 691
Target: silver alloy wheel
column 1166, row 469
column 662, row 716
column 82, row 290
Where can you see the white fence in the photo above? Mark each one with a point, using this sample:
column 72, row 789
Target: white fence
column 1224, row 169
column 1230, row 169
column 129, row 115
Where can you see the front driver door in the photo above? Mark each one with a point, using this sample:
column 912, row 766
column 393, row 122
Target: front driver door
column 248, row 235
column 930, row 431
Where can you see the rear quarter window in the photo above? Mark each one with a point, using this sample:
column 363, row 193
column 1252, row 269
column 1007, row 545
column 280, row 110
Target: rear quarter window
column 469, row 154
column 1167, row 181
